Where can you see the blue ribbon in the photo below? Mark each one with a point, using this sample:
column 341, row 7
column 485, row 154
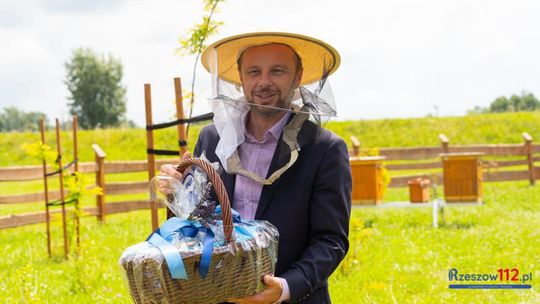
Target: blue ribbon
column 171, row 255
column 245, row 233
column 162, row 238
column 208, row 246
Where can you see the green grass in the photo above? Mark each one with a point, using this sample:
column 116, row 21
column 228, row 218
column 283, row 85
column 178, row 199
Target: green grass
column 394, row 254
column 414, row 132
column 398, row 257
column 118, row 144
column 130, row 144
column 29, row 276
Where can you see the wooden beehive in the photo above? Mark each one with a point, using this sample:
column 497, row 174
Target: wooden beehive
column 419, row 190
column 462, row 176
column 368, row 181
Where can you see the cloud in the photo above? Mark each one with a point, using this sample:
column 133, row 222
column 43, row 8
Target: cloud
column 80, row 6
column 399, row 58
column 18, row 14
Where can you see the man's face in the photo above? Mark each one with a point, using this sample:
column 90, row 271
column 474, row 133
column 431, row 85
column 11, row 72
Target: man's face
column 269, row 76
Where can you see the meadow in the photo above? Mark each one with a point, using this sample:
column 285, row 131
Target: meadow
column 395, row 254
column 126, row 144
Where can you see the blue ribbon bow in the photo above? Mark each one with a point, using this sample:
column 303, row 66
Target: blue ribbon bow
column 162, row 238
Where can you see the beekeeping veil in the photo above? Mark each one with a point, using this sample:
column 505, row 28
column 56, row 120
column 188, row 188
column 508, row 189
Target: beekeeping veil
column 312, row 100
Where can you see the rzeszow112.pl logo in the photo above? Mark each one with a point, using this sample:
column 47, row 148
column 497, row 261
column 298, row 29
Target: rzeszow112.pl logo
column 503, row 278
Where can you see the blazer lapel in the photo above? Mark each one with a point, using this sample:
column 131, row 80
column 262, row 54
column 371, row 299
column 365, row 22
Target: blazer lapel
column 307, row 135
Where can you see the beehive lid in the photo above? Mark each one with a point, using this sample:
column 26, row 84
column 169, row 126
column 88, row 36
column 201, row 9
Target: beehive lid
column 461, row 155
column 367, row 159
column 422, row 181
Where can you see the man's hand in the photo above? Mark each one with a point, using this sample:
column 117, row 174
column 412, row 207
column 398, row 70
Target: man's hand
column 169, row 171
column 270, row 294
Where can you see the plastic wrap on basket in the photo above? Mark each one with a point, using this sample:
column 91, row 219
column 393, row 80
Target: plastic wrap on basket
column 207, row 258
column 180, row 197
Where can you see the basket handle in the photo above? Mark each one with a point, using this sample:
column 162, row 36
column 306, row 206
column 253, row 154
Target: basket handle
column 221, row 193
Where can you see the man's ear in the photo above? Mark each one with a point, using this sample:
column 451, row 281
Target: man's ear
column 298, row 77
column 240, row 75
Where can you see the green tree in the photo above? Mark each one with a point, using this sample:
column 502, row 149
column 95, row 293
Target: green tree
column 501, row 104
column 516, row 103
column 96, row 93
column 14, row 119
column 529, row 102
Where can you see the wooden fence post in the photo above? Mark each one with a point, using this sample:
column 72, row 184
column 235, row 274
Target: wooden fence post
column 355, row 145
column 180, row 115
column 529, row 152
column 100, row 181
column 46, row 193
column 61, row 179
column 444, row 142
column 76, row 169
column 150, row 157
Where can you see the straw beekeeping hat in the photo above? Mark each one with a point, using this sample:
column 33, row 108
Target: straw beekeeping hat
column 319, row 59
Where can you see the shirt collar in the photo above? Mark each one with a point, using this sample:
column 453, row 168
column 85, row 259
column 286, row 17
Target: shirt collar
column 274, row 131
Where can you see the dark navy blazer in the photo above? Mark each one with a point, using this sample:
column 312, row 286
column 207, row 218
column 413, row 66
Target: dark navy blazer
column 310, row 205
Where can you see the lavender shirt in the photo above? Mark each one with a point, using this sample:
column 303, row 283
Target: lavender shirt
column 255, row 156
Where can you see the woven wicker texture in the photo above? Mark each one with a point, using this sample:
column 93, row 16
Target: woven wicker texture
column 236, row 269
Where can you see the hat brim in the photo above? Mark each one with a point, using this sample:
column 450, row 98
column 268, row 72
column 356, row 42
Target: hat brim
column 318, row 57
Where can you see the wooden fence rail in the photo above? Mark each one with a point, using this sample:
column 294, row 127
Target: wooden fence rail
column 16, row 220
column 418, row 153
column 29, row 173
column 415, row 158
column 110, row 188
column 501, row 176
column 100, row 168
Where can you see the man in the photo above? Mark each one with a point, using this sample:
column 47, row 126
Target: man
column 283, row 168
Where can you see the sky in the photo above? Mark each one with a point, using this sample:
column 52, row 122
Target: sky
column 398, row 58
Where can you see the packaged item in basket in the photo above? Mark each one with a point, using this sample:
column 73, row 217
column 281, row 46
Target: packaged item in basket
column 181, row 197
column 207, row 253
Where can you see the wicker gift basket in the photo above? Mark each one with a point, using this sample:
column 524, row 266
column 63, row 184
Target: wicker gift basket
column 235, row 268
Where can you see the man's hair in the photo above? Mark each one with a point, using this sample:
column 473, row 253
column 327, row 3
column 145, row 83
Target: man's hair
column 297, row 59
